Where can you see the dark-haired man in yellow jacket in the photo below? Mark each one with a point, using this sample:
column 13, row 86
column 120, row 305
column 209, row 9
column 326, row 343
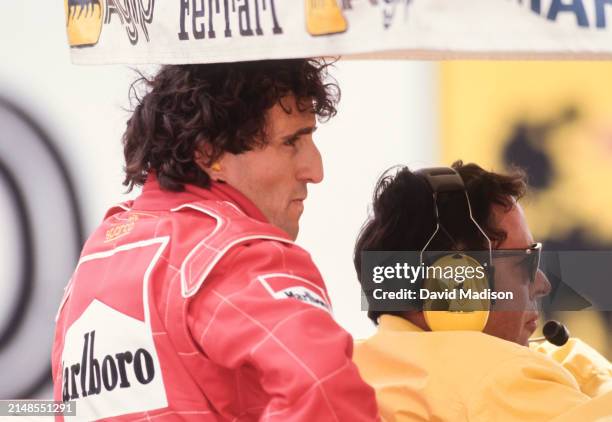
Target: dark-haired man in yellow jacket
column 427, row 367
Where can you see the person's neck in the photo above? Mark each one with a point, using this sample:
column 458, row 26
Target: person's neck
column 417, row 318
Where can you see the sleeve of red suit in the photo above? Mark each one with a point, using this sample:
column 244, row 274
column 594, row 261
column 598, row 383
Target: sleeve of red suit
column 265, row 306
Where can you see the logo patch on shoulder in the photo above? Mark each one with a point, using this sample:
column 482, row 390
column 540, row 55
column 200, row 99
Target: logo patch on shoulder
column 287, row 286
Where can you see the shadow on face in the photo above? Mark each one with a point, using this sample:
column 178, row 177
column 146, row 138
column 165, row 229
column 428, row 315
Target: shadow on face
column 515, row 320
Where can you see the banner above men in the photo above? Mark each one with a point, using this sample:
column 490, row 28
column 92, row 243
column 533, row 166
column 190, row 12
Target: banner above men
column 205, row 31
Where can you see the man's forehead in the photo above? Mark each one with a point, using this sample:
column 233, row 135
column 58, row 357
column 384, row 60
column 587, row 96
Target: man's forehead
column 288, row 115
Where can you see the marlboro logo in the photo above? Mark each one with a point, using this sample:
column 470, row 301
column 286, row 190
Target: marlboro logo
column 288, row 286
column 91, row 375
column 110, row 365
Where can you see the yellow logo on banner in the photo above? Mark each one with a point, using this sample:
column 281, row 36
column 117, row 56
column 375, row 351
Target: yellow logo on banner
column 83, row 21
column 324, row 17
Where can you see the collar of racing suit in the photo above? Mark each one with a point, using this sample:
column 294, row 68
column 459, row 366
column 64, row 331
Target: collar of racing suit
column 153, row 197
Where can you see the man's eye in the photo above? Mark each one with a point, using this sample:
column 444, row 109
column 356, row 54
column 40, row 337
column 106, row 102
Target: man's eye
column 291, row 142
column 526, row 265
column 526, row 262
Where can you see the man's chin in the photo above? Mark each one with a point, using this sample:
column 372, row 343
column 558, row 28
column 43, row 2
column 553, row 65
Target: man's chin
column 523, row 339
column 520, row 338
column 291, row 230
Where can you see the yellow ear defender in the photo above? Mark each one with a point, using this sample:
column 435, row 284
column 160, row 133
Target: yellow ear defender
column 450, row 305
column 461, row 311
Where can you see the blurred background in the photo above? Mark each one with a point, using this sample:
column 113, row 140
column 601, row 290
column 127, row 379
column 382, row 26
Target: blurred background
column 61, row 165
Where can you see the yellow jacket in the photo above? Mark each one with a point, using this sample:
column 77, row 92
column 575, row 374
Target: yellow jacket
column 471, row 376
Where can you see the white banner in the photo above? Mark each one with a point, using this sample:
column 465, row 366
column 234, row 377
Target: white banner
column 204, row 31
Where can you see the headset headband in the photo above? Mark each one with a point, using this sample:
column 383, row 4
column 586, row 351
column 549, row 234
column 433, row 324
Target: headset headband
column 446, row 179
column 443, row 179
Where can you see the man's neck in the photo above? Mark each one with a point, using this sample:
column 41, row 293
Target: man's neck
column 417, row 318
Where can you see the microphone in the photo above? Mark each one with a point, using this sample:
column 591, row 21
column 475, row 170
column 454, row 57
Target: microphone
column 554, row 332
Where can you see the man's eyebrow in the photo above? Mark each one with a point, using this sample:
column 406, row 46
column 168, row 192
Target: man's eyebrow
column 303, row 131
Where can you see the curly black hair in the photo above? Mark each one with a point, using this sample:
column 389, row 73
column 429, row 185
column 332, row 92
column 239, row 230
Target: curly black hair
column 223, row 105
column 404, row 217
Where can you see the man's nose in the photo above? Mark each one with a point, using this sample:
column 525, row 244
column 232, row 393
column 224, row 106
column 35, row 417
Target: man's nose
column 541, row 284
column 310, row 168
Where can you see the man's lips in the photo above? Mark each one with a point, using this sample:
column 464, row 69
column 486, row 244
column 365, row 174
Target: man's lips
column 298, row 202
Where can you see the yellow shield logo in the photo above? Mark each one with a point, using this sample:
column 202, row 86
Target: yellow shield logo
column 324, row 17
column 83, row 21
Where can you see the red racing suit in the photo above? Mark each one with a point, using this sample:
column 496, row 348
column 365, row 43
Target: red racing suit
column 190, row 306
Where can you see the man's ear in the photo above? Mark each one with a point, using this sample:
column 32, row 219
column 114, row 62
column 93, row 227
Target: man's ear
column 202, row 159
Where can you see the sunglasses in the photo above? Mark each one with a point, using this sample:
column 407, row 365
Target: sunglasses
column 530, row 258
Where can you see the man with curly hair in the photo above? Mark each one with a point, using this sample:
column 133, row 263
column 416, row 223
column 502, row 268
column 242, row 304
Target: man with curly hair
column 192, row 302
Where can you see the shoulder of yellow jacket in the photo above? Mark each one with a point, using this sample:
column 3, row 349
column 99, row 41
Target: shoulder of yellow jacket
column 466, row 354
